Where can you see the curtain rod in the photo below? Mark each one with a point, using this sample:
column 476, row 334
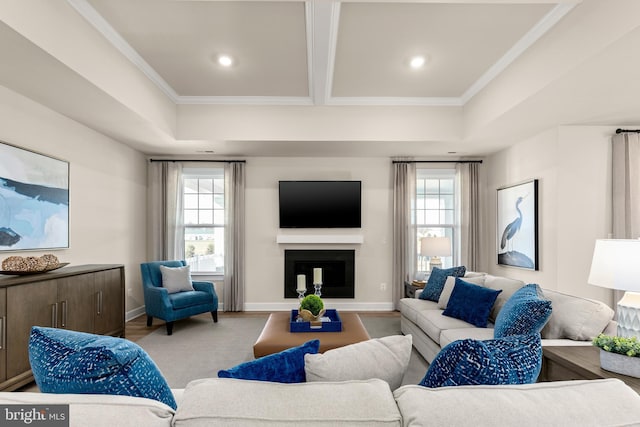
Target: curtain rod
column 627, row 131
column 197, row 160
column 436, row 161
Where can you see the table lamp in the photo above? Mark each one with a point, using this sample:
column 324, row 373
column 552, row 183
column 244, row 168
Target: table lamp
column 434, row 248
column 616, row 265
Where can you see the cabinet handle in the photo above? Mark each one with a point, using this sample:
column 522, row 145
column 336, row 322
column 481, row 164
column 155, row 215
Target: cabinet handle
column 99, row 302
column 3, row 331
column 64, row 313
column 54, row 315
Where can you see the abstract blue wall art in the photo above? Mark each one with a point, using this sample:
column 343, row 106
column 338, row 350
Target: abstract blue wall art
column 517, row 227
column 34, row 200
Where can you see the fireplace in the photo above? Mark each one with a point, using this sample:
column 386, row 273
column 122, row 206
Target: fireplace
column 338, row 272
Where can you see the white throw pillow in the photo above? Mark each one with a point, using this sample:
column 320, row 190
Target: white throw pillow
column 176, row 279
column 451, row 282
column 385, row 358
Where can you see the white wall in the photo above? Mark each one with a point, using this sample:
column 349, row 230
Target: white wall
column 107, row 206
column 573, row 166
column 265, row 257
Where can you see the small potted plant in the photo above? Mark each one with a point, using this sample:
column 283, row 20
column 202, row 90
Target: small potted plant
column 311, row 308
column 619, row 354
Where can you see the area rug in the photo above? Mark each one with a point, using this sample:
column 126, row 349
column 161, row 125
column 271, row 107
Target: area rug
column 199, row 348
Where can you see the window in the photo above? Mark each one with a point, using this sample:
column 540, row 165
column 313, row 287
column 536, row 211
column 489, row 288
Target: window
column 204, row 219
column 435, row 211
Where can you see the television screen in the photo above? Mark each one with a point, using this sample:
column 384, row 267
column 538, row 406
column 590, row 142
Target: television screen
column 320, row 204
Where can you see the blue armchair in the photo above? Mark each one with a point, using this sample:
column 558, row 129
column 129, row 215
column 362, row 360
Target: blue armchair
column 180, row 305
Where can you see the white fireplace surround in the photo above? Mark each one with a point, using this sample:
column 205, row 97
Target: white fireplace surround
column 320, row 238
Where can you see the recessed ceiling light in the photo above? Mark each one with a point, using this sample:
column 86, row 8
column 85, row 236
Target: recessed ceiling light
column 417, row 62
column 225, row 60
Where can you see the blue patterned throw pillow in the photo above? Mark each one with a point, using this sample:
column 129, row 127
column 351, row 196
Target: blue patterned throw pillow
column 437, row 278
column 66, row 361
column 525, row 312
column 516, row 359
column 284, row 367
column 471, row 303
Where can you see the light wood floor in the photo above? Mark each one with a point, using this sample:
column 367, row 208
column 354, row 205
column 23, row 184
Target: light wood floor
column 137, row 328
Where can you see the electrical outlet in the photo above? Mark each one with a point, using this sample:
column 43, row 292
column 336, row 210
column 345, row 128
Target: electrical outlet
column 130, row 291
column 383, row 286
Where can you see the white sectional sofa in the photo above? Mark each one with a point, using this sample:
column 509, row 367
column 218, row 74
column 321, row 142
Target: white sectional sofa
column 574, row 320
column 233, row 402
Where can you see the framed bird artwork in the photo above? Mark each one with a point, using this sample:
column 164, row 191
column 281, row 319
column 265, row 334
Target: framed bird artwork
column 517, row 227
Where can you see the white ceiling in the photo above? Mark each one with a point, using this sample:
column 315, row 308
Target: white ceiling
column 324, row 77
column 354, row 52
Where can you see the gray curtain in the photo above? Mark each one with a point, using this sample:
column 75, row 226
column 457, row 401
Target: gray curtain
column 469, row 202
column 234, row 239
column 404, row 233
column 626, row 188
column 164, row 206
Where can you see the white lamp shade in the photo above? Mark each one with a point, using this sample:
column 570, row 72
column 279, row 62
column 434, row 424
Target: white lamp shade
column 435, row 246
column 616, row 265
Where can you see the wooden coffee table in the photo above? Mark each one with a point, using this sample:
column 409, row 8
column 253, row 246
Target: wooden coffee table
column 578, row 363
column 275, row 335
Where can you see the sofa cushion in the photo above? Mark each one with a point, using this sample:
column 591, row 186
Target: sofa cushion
column 411, row 307
column 450, row 335
column 507, row 286
column 450, row 283
column 286, row 366
column 575, row 318
column 65, row 361
column 471, row 303
column 95, row 410
column 437, row 278
column 229, row 402
column 432, row 323
column 515, row 359
column 386, row 358
column 526, row 312
column 176, row 279
column 558, row 403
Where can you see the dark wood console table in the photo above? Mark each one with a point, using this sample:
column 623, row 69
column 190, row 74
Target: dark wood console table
column 86, row 298
column 578, row 363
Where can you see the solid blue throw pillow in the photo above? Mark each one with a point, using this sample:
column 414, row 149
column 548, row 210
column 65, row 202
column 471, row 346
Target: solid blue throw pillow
column 437, row 278
column 516, row 359
column 471, row 303
column 284, row 367
column 525, row 312
column 66, row 361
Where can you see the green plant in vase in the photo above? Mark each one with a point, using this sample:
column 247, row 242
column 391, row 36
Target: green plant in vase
column 627, row 346
column 619, row 354
column 311, row 308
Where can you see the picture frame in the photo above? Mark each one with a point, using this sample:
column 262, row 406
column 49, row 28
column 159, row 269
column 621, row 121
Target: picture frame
column 517, row 225
column 34, row 200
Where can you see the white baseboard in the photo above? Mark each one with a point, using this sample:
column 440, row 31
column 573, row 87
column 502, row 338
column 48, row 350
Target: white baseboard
column 132, row 314
column 286, row 306
column 139, row 311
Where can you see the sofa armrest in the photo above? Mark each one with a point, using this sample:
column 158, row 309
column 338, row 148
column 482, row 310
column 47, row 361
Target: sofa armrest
column 418, row 292
column 611, row 329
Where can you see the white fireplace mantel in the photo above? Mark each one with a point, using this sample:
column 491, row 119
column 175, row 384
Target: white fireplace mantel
column 320, row 239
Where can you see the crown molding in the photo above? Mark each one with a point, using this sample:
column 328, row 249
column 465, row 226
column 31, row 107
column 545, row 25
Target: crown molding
column 244, row 100
column 397, row 101
column 537, row 31
column 99, row 23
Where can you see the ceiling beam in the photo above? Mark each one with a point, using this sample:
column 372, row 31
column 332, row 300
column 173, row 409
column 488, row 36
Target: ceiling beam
column 322, row 20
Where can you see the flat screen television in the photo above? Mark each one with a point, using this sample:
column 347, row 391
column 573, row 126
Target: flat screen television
column 320, row 204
